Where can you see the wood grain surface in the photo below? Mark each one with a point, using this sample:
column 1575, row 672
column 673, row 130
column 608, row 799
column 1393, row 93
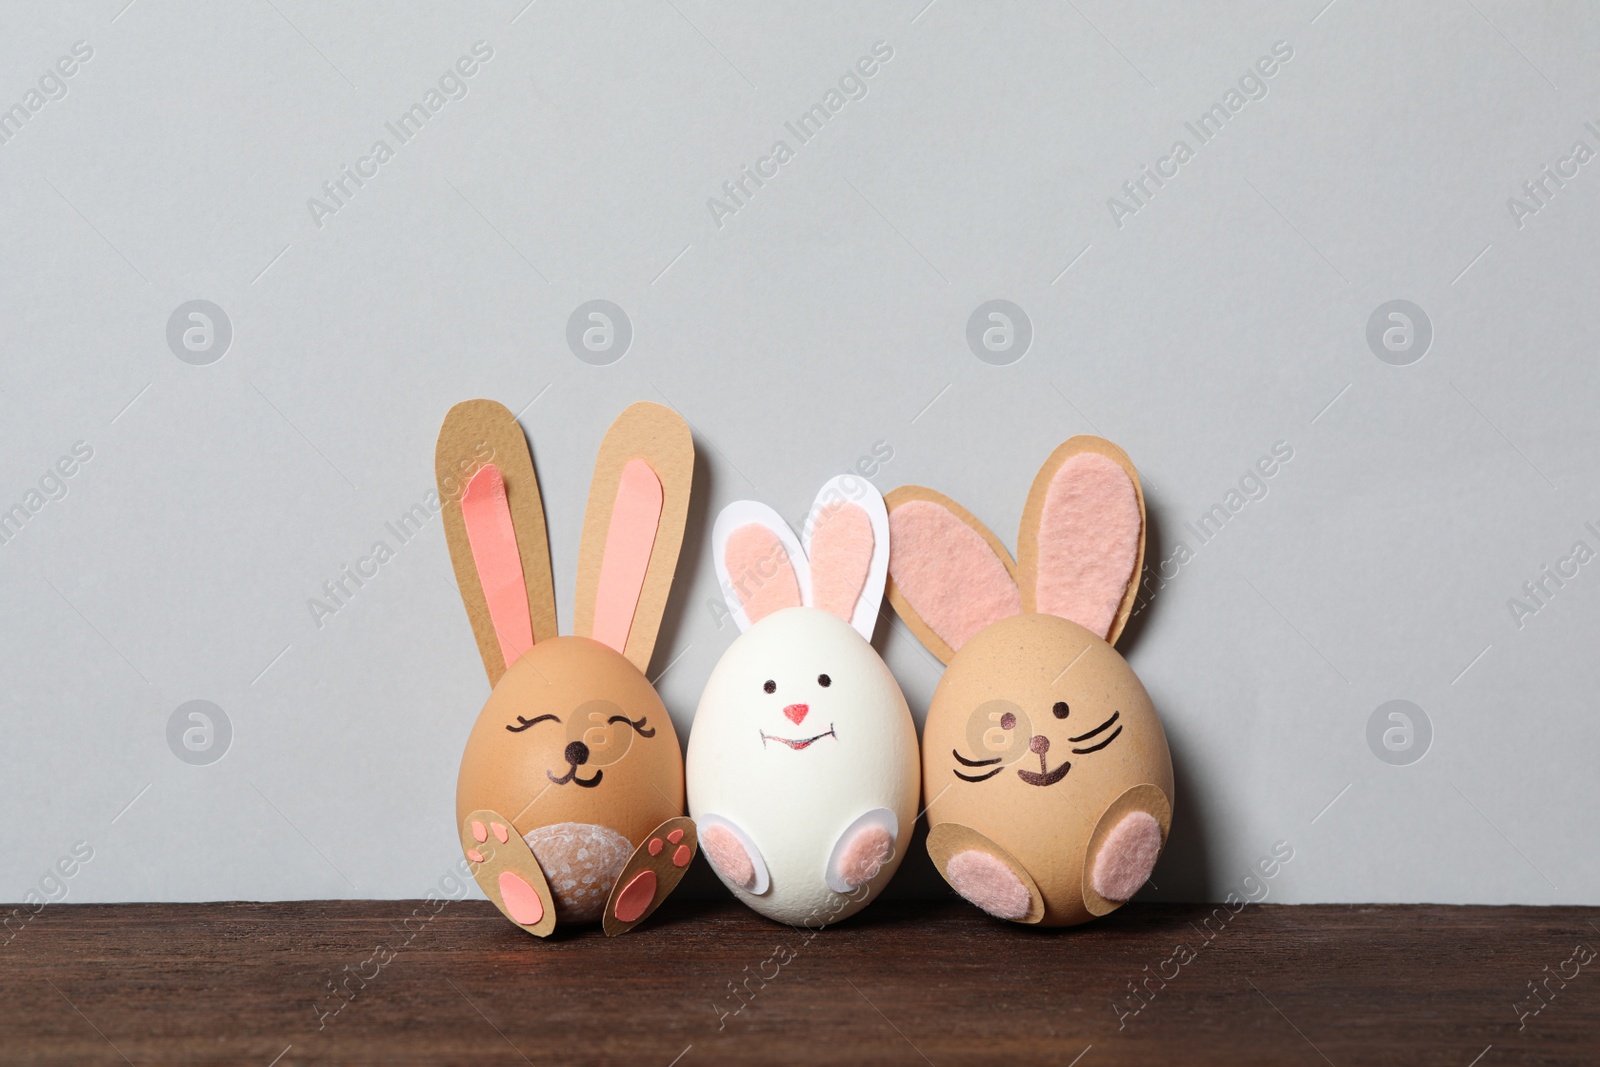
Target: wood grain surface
column 903, row 983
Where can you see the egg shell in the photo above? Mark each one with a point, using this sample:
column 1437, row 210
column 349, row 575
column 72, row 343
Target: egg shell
column 795, row 804
column 510, row 772
column 1030, row 662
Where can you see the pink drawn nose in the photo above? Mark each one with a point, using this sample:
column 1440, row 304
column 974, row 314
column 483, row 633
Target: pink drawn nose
column 796, row 712
column 1039, row 745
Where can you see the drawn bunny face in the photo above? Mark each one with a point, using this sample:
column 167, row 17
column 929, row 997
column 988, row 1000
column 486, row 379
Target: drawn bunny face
column 572, row 732
column 573, row 765
column 1045, row 767
column 803, row 760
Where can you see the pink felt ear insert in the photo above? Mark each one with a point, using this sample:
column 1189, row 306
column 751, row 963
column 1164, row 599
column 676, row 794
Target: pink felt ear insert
column 947, row 572
column 841, row 556
column 759, row 568
column 988, row 883
column 635, row 517
column 1127, row 856
column 493, row 540
column 1088, row 541
column 726, row 853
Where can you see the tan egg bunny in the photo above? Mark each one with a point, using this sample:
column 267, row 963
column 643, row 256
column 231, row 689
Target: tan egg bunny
column 1046, row 773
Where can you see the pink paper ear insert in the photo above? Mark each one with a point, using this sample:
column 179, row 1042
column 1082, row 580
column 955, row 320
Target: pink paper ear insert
column 759, row 568
column 493, row 539
column 635, row 517
column 947, row 572
column 841, row 556
column 1088, row 541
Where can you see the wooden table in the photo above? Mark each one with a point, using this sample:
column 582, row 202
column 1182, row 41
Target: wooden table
column 711, row 983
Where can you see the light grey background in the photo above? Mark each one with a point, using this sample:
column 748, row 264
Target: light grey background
column 828, row 314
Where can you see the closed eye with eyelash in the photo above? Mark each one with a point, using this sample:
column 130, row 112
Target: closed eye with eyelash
column 639, row 726
column 533, row 722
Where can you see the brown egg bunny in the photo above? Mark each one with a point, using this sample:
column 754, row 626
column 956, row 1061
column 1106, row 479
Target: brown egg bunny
column 570, row 796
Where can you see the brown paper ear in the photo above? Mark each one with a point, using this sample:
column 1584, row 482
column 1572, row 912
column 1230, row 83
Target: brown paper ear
column 949, row 577
column 633, row 529
column 1081, row 547
column 476, row 434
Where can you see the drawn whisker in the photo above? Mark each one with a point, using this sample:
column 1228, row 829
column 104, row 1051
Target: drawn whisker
column 1097, row 748
column 965, row 762
column 1084, row 737
column 978, row 777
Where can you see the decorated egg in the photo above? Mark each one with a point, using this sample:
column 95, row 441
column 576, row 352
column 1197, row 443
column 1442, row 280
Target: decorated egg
column 803, row 771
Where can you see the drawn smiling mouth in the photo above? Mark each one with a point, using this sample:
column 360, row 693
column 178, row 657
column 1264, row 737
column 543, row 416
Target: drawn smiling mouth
column 572, row 776
column 797, row 745
column 1040, row 745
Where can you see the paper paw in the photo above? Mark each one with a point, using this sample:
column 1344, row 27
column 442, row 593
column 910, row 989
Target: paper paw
column 506, row 871
column 862, row 850
column 984, row 873
column 732, row 854
column 651, row 874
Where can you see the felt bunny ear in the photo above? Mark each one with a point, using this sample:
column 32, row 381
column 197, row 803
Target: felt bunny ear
column 1081, row 548
column 760, row 564
column 847, row 545
column 494, row 523
column 633, row 529
column 949, row 577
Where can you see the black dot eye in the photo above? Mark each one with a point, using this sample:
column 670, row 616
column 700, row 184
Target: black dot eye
column 770, row 687
column 1060, row 710
column 824, row 681
column 1008, row 721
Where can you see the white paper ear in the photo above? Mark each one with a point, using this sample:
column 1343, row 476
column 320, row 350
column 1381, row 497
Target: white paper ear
column 760, row 564
column 847, row 544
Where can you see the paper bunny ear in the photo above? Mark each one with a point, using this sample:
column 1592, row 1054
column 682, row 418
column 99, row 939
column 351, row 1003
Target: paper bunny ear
column 1081, row 547
column 494, row 523
column 633, row 529
column 760, row 564
column 949, row 577
column 847, row 546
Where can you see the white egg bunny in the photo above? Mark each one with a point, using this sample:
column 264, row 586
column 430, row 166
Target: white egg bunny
column 803, row 770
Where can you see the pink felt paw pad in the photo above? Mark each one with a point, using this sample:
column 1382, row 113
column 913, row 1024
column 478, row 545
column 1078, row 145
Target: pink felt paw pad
column 682, row 856
column 865, row 856
column 478, row 832
column 655, row 846
column 500, row 834
column 988, row 883
column 1127, row 856
column 726, row 853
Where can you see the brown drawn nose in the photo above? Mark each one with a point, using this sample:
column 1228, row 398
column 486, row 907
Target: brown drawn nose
column 796, row 712
column 1039, row 745
column 577, row 753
